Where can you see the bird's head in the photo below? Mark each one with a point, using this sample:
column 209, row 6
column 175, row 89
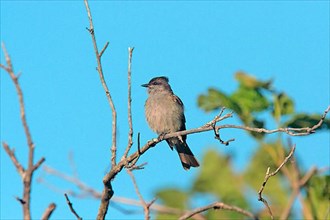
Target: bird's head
column 158, row 85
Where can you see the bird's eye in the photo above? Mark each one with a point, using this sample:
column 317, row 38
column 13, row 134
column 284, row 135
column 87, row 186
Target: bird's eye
column 155, row 83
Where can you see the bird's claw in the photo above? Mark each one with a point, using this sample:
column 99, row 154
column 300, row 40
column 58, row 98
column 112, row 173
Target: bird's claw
column 162, row 135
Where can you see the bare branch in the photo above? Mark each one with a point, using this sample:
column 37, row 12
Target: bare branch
column 104, row 84
column 72, row 179
column 73, row 164
column 268, row 175
column 130, row 124
column 27, row 173
column 10, row 70
column 107, row 191
column 87, row 191
column 48, row 212
column 218, row 205
column 145, row 205
column 71, row 207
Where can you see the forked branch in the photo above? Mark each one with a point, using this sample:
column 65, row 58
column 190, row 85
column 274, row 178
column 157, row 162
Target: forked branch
column 268, row 175
column 25, row 173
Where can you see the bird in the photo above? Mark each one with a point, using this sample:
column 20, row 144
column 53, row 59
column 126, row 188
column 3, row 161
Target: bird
column 164, row 112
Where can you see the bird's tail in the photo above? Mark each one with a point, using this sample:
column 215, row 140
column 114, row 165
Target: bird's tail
column 186, row 156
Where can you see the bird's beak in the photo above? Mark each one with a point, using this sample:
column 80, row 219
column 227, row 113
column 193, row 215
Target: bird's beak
column 145, row 85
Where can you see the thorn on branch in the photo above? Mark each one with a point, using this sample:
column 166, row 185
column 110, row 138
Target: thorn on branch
column 152, row 202
column 18, row 76
column 90, row 30
column 20, row 200
column 136, row 167
column 138, row 140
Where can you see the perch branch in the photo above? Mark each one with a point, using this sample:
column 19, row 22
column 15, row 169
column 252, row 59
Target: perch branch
column 207, row 127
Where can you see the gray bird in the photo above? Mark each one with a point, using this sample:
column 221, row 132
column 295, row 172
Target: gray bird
column 164, row 113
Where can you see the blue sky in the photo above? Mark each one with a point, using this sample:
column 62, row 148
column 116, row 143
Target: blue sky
column 196, row 44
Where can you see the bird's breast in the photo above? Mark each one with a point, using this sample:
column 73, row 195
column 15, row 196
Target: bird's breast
column 164, row 114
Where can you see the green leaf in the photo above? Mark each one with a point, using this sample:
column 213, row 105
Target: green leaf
column 217, row 176
column 249, row 81
column 213, row 100
column 318, row 195
column 173, row 198
column 250, row 100
column 305, row 120
column 283, row 105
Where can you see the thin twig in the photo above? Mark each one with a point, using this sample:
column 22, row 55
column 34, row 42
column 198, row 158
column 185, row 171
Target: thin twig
column 72, row 179
column 145, row 205
column 129, row 101
column 10, row 70
column 89, row 192
column 27, row 173
column 71, row 207
column 49, row 211
column 104, row 84
column 73, row 164
column 107, row 191
column 217, row 205
column 268, row 175
column 38, row 164
column 104, row 48
column 11, row 154
column 213, row 123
